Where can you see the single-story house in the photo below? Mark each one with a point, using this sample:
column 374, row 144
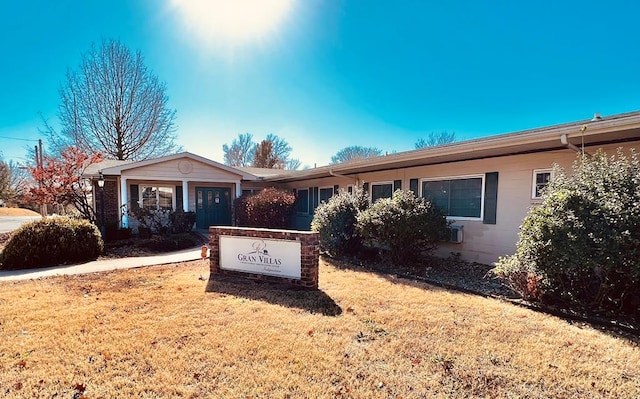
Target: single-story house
column 486, row 186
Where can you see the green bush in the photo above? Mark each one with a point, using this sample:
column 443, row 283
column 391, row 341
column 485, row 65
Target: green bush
column 270, row 208
column 408, row 226
column 52, row 241
column 336, row 221
column 583, row 241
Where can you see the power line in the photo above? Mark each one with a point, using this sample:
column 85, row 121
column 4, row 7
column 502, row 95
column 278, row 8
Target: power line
column 16, row 138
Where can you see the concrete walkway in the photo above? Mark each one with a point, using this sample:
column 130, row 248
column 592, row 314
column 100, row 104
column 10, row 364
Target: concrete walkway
column 103, row 265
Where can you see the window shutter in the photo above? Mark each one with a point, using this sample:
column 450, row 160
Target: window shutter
column 397, row 185
column 179, row 204
column 490, row 198
column 336, row 188
column 350, row 189
column 316, row 198
column 134, row 196
column 365, row 187
column 413, row 186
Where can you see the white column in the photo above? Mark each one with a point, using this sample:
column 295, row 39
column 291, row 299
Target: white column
column 238, row 189
column 123, row 203
column 185, row 195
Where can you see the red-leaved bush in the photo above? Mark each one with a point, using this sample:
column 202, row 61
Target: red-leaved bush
column 270, row 208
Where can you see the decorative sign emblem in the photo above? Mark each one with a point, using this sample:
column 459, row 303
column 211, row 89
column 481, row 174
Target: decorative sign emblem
column 262, row 256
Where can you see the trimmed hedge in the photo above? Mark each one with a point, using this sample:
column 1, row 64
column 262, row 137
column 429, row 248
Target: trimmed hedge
column 50, row 242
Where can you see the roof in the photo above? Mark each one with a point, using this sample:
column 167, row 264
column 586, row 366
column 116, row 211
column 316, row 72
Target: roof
column 614, row 129
column 264, row 172
column 93, row 170
column 113, row 167
column 597, row 131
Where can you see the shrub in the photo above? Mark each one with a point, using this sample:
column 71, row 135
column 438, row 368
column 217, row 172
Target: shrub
column 52, row 241
column 152, row 220
column 583, row 241
column 114, row 232
column 408, row 226
column 271, row 208
column 173, row 242
column 336, row 221
column 181, row 221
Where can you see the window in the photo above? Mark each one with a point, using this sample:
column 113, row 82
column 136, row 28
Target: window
column 157, row 197
column 381, row 190
column 302, row 200
column 458, row 197
column 326, row 193
column 541, row 178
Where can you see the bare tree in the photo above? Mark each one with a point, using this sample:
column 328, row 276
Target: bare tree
column 241, row 151
column 114, row 105
column 355, row 152
column 293, row 164
column 14, row 180
column 435, row 139
column 281, row 149
column 272, row 152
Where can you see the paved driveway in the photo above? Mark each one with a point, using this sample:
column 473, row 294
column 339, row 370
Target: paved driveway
column 10, row 223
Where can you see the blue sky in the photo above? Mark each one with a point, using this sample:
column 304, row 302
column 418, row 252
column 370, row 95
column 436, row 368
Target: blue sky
column 328, row 74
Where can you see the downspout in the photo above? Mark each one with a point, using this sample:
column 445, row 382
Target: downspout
column 332, row 173
column 564, row 140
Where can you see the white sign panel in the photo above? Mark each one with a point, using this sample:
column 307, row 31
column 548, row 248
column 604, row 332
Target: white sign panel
column 261, row 255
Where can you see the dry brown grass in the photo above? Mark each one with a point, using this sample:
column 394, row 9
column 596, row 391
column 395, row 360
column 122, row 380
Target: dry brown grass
column 163, row 332
column 17, row 212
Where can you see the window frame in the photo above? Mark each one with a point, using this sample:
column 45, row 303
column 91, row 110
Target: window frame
column 460, row 177
column 308, row 200
column 157, row 187
column 333, row 192
column 379, row 183
column 534, row 180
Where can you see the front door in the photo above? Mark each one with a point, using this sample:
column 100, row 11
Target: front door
column 213, row 207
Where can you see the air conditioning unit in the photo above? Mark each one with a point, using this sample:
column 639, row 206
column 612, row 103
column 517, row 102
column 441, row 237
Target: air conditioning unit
column 457, row 233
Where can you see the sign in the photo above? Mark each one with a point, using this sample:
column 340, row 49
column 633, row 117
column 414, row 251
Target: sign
column 279, row 258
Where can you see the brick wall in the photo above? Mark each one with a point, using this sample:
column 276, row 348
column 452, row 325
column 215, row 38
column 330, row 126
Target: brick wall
column 309, row 254
column 111, row 211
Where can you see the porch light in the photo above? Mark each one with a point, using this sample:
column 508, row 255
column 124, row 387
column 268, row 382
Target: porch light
column 101, row 180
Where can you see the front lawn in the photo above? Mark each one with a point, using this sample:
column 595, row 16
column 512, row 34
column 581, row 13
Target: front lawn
column 166, row 331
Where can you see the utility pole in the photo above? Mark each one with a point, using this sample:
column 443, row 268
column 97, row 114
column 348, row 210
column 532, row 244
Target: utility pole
column 39, row 167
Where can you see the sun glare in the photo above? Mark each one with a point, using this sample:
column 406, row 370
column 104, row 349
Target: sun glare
column 232, row 21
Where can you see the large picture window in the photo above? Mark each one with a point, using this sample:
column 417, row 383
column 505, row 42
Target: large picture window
column 381, row 190
column 156, row 198
column 458, row 197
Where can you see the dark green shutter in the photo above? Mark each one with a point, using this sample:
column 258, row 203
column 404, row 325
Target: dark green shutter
column 134, row 196
column 490, row 198
column 413, row 186
column 336, row 188
column 316, row 198
column 350, row 189
column 179, row 203
column 365, row 187
column 397, row 185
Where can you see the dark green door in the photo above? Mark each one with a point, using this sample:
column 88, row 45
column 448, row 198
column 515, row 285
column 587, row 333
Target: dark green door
column 213, row 207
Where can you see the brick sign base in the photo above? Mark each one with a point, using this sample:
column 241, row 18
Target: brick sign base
column 309, row 254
